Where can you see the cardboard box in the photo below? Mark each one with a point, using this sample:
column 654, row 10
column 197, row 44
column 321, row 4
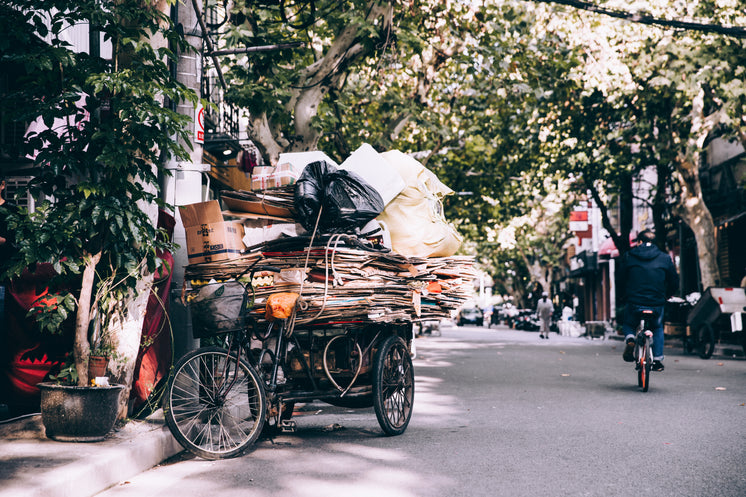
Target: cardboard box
column 230, row 175
column 266, row 177
column 210, row 238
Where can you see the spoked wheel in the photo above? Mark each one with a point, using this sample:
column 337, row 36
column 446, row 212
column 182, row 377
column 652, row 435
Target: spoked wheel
column 214, row 405
column 644, row 363
column 393, row 386
column 706, row 341
column 639, row 364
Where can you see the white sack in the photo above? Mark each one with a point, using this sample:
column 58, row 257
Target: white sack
column 376, row 171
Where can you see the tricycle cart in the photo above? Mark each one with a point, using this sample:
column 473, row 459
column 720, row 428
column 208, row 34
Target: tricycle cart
column 269, row 342
column 717, row 312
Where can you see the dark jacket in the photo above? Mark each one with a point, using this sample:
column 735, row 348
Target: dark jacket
column 646, row 276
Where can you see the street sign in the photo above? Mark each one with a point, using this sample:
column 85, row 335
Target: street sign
column 199, row 124
column 578, row 221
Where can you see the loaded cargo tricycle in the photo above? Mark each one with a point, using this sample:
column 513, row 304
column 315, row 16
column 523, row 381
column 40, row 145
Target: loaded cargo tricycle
column 315, row 307
column 220, row 397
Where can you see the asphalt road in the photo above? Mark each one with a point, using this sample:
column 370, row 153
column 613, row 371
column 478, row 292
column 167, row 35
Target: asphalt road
column 502, row 413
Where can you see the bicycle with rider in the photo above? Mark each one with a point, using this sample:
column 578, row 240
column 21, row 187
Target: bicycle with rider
column 646, row 278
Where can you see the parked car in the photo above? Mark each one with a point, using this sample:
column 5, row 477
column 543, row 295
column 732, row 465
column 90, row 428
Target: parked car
column 470, row 315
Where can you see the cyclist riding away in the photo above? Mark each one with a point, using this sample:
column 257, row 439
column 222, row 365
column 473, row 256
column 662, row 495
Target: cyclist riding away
column 646, row 278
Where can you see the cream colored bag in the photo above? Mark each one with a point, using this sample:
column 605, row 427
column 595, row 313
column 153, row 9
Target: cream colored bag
column 415, row 217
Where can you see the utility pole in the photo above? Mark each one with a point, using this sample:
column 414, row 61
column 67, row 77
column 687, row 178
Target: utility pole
column 184, row 185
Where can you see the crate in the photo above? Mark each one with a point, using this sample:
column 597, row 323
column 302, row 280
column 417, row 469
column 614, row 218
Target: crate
column 218, row 308
column 674, row 329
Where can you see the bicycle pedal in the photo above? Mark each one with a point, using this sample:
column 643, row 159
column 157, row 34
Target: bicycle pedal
column 287, row 426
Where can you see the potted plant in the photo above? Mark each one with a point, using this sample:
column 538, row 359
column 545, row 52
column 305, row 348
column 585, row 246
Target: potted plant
column 70, row 411
column 101, row 131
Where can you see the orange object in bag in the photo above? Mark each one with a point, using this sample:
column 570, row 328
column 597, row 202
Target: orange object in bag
column 280, row 305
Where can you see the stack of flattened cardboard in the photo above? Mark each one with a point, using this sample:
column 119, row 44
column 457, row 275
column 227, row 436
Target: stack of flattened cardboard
column 270, row 204
column 344, row 279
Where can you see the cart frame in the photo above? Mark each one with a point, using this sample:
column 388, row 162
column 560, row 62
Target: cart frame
column 219, row 399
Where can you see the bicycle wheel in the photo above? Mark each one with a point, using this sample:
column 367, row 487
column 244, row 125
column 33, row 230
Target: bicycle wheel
column 705, row 341
column 393, row 386
column 214, row 405
column 640, row 363
column 646, row 362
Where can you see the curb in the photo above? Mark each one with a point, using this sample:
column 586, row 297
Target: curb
column 66, row 469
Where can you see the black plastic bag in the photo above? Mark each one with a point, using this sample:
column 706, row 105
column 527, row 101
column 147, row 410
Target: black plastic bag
column 347, row 200
column 309, row 192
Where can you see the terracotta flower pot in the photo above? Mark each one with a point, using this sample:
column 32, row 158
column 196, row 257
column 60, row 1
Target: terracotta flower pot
column 97, row 366
column 79, row 414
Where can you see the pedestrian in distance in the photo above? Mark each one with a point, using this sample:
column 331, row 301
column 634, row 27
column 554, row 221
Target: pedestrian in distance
column 646, row 279
column 545, row 309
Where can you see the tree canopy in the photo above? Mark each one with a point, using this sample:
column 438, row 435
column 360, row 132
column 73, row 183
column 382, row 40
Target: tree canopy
column 503, row 98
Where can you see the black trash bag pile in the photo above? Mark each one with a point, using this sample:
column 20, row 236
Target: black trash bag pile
column 346, row 200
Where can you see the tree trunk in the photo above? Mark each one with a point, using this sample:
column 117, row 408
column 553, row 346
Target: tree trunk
column 691, row 207
column 693, row 211
column 621, row 238
column 128, row 332
column 316, row 81
column 81, row 347
column 659, row 205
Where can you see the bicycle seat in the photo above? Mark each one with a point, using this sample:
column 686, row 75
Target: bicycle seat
column 649, row 316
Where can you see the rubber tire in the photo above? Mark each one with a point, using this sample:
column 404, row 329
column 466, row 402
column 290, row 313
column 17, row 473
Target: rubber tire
column 393, row 386
column 648, row 367
column 705, row 341
column 644, row 364
column 639, row 365
column 182, row 390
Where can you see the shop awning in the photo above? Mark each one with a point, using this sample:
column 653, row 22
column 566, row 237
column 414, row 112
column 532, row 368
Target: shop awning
column 609, row 248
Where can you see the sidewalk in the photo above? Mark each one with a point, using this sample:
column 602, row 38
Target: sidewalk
column 32, row 465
